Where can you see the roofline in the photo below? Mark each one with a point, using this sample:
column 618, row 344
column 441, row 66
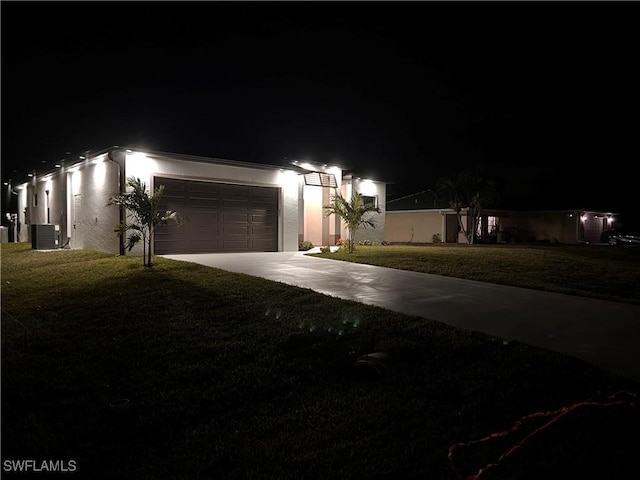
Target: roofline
column 85, row 155
column 203, row 159
column 72, row 160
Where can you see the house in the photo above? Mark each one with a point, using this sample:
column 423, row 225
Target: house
column 420, row 218
column 224, row 205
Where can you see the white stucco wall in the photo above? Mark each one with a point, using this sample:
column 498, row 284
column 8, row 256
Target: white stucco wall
column 76, row 205
column 378, row 190
column 91, row 220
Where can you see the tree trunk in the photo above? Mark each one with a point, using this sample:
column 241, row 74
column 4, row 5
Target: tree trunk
column 462, row 229
column 144, row 251
column 149, row 252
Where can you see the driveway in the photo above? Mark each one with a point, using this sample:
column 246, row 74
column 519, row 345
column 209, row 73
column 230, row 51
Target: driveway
column 601, row 332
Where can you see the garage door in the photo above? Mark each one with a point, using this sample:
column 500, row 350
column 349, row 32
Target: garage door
column 217, row 217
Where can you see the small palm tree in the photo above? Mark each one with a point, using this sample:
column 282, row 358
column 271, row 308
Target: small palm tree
column 143, row 208
column 352, row 213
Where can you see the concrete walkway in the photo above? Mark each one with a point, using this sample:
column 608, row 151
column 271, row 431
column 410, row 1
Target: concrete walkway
column 601, row 332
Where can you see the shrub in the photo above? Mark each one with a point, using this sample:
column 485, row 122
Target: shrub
column 344, row 245
column 326, row 249
column 306, row 245
column 436, row 238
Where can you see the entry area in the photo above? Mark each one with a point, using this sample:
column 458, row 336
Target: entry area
column 217, row 217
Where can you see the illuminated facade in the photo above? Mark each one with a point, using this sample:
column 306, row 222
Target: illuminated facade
column 224, row 205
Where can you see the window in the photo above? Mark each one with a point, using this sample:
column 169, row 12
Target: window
column 492, row 224
column 370, row 200
column 320, row 179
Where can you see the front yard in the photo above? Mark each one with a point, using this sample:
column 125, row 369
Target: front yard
column 231, row 376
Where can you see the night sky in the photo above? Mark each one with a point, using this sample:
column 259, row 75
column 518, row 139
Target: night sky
column 542, row 96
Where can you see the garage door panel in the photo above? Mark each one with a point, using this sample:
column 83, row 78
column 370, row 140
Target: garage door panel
column 228, row 217
column 218, row 217
column 234, row 204
column 171, row 184
column 208, row 233
column 261, row 217
column 262, row 193
column 171, row 245
column 230, row 189
column 235, row 230
column 204, row 203
column 236, row 245
column 202, row 215
column 202, row 187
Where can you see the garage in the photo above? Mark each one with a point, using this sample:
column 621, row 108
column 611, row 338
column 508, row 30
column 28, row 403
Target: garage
column 217, row 217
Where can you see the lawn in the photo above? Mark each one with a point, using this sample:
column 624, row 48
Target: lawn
column 611, row 273
column 230, row 376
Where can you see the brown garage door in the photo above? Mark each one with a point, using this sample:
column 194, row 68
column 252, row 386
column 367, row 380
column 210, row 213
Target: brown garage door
column 217, row 217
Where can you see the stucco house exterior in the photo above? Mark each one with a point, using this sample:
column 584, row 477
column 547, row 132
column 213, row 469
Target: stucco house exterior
column 224, row 205
column 419, row 218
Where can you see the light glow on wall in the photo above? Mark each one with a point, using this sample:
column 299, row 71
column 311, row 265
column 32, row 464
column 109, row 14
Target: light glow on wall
column 76, row 181
column 288, row 178
column 139, row 165
column 366, row 187
column 99, row 173
column 136, row 156
column 337, row 171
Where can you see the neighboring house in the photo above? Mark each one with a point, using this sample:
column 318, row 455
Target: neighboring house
column 418, row 218
column 224, row 205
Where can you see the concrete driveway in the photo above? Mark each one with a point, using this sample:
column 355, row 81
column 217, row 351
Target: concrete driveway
column 601, row 332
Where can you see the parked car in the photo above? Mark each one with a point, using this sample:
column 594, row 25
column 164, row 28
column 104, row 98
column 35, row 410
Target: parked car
column 620, row 236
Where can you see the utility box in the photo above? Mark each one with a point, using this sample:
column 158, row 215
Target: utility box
column 43, row 237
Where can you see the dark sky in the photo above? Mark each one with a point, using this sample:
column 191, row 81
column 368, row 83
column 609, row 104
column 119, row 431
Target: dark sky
column 542, row 95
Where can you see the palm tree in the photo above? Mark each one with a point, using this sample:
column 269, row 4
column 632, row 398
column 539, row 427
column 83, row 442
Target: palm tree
column 352, row 213
column 142, row 207
column 471, row 190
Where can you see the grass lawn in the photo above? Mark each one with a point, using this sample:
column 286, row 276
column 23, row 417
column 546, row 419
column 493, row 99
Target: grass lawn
column 230, row 376
column 600, row 271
